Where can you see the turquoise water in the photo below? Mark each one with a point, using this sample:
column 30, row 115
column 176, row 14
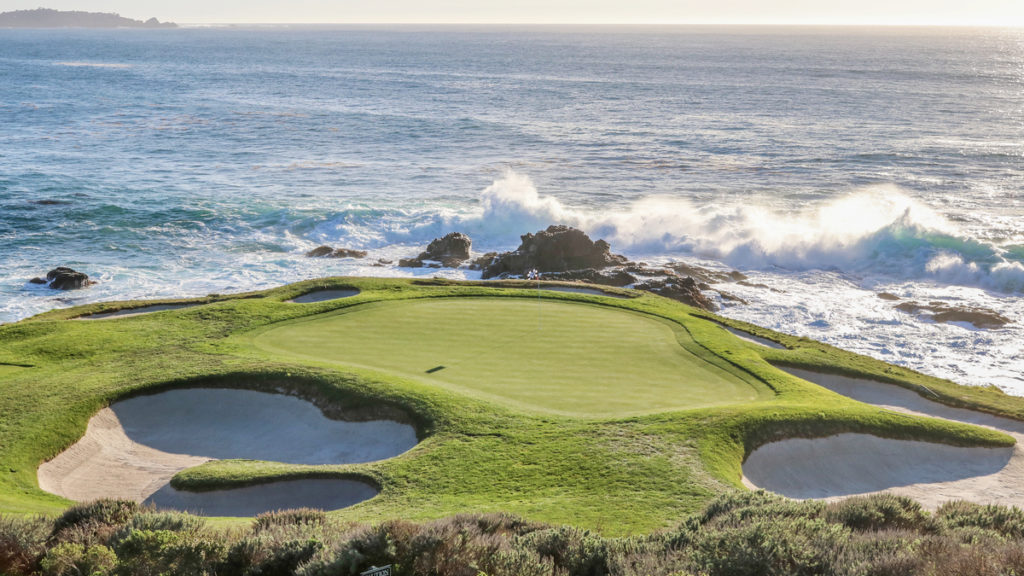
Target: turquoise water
column 830, row 163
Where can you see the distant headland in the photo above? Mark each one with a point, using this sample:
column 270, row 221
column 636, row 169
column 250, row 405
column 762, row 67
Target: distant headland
column 46, row 18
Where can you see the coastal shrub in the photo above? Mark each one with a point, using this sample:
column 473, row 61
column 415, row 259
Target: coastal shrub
column 71, row 559
column 105, row 511
column 361, row 548
column 519, row 562
column 577, row 551
column 22, row 544
column 160, row 552
column 1002, row 519
column 297, row 516
column 881, row 553
column 260, row 557
column 770, row 547
column 880, row 512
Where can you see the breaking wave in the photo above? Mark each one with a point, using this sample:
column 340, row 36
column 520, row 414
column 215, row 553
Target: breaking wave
column 874, row 231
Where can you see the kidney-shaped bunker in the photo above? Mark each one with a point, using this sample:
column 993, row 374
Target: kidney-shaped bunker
column 133, row 448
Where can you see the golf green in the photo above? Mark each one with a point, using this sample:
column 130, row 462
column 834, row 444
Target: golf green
column 538, row 354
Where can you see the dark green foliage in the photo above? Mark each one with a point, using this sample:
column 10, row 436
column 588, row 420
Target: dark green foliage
column 104, row 512
column 22, row 543
column 740, row 534
column 297, row 516
column 880, row 512
column 1006, row 521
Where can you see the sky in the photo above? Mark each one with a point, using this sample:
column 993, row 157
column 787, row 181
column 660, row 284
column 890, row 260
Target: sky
column 860, row 12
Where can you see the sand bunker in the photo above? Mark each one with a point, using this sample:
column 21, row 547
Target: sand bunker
column 323, row 296
column 326, row 494
column 754, row 339
column 849, row 464
column 132, row 449
column 137, row 311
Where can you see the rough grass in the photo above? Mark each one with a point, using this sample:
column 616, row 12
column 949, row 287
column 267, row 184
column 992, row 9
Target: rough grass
column 614, row 474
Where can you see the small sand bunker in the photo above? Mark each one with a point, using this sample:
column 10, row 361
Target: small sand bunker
column 133, row 448
column 326, row 494
column 851, row 464
column 742, row 335
column 138, row 311
column 323, row 296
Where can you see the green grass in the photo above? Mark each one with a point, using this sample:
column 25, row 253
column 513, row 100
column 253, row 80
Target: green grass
column 501, row 426
column 532, row 354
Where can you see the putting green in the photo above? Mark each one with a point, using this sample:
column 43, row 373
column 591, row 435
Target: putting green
column 545, row 355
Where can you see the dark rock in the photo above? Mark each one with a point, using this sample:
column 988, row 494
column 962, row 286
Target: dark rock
column 48, row 202
column 450, row 250
column 684, row 290
column 64, row 278
column 888, row 296
column 326, row 251
column 941, row 312
column 410, row 263
column 557, row 249
column 705, row 275
column 347, row 253
column 319, row 251
column 610, row 278
column 37, row 280
column 483, row 262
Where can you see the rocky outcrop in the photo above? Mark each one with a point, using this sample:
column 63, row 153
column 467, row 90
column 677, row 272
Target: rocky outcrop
column 941, row 312
column 64, row 278
column 591, row 276
column 450, row 250
column 557, row 249
column 682, row 289
column 326, row 251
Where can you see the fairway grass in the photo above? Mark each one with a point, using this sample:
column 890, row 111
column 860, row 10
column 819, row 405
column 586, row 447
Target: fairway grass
column 620, row 415
column 543, row 355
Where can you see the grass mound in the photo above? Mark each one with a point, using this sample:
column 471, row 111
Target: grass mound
column 536, row 354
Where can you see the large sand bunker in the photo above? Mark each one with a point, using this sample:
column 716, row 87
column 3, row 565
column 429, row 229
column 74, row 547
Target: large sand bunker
column 324, row 296
column 849, row 464
column 133, row 448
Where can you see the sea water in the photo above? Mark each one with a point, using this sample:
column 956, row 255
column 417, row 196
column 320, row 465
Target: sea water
column 829, row 164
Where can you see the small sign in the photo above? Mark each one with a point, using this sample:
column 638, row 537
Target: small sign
column 374, row 571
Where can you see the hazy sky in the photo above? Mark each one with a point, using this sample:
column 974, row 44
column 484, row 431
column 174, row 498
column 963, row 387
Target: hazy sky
column 923, row 12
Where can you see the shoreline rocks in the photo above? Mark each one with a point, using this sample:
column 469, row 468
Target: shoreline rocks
column 556, row 249
column 326, row 251
column 977, row 316
column 451, row 250
column 64, row 278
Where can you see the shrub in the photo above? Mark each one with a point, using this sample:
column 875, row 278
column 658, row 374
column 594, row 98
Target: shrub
column 296, row 516
column 99, row 512
column 71, row 559
column 22, row 543
column 770, row 547
column 880, row 512
column 159, row 552
column 267, row 557
column 1002, row 519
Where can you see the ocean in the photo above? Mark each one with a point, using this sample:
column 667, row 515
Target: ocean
column 829, row 164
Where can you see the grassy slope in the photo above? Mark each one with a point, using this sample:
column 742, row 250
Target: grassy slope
column 620, row 475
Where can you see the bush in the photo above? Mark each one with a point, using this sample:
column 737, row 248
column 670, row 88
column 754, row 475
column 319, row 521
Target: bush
column 1002, row 519
column 159, row 552
column 880, row 512
column 770, row 547
column 70, row 559
column 296, row 516
column 22, row 544
column 98, row 512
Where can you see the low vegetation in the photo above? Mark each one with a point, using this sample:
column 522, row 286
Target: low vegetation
column 737, row 535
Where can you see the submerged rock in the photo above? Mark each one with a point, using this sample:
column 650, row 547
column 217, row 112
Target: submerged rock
column 326, row 251
column 977, row 316
column 557, row 249
column 64, row 278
